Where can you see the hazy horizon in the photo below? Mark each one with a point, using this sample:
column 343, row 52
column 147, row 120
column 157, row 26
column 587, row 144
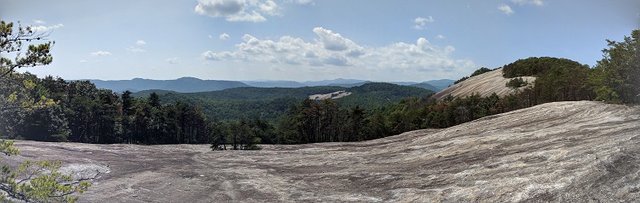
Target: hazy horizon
column 266, row 80
column 310, row 40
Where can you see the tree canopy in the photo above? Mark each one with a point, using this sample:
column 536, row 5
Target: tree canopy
column 617, row 75
column 31, row 181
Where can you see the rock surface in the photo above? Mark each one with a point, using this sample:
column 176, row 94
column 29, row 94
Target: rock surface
column 333, row 95
column 484, row 84
column 562, row 152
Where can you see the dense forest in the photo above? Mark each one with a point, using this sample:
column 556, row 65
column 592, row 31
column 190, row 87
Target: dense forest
column 272, row 103
column 77, row 111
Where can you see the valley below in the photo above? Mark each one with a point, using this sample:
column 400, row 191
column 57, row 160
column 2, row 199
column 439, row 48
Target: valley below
column 562, row 151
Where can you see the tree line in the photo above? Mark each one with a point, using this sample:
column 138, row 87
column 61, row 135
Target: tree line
column 80, row 112
column 30, row 180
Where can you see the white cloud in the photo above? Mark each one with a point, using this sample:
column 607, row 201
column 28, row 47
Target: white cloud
column 302, row 2
column 44, row 28
column 141, row 42
column 530, row 2
column 334, row 41
column 270, row 8
column 254, row 16
column 421, row 22
column 224, row 36
column 440, row 37
column 506, row 9
column 238, row 10
column 101, row 53
column 336, row 60
column 83, row 61
column 37, row 21
column 138, row 46
column 330, row 49
column 173, row 60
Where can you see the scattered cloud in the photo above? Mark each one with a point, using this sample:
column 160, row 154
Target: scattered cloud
column 141, row 42
column 529, row 2
column 39, row 22
column 270, row 8
column 506, row 9
column 331, row 49
column 302, row 2
column 238, row 10
column 44, row 28
column 138, row 46
column 333, row 41
column 421, row 22
column 224, row 36
column 440, row 37
column 101, row 53
column 173, row 60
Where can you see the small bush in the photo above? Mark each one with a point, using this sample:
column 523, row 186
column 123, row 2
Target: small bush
column 516, row 83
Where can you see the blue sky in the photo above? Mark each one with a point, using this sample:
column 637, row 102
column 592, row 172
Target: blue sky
column 315, row 39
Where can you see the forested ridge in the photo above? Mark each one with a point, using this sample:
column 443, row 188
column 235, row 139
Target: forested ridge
column 272, row 103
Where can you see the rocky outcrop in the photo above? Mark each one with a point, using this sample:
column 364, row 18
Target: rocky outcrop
column 560, row 152
column 484, row 85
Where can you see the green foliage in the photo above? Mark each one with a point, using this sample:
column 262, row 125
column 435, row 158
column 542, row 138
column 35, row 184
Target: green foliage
column 40, row 181
column 324, row 121
column 461, row 79
column 7, row 148
column 11, row 41
column 241, row 135
column 24, row 103
column 271, row 103
column 557, row 79
column 378, row 95
column 564, row 83
column 536, row 66
column 426, row 85
column 246, row 102
column 321, row 121
column 84, row 113
column 516, row 83
column 617, row 75
column 477, row 72
column 37, row 181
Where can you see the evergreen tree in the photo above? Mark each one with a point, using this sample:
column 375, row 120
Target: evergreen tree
column 617, row 75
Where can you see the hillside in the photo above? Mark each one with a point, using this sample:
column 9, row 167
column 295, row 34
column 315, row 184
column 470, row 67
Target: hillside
column 270, row 103
column 440, row 84
column 376, row 95
column 185, row 84
column 295, row 84
column 274, row 83
column 560, row 152
column 426, row 85
column 484, row 84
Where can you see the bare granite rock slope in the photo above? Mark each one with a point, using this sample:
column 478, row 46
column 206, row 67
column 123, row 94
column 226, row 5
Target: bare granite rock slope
column 484, row 85
column 559, row 152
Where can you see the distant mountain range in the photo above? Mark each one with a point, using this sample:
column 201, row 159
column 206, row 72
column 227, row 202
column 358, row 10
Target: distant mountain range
column 191, row 84
column 185, row 84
